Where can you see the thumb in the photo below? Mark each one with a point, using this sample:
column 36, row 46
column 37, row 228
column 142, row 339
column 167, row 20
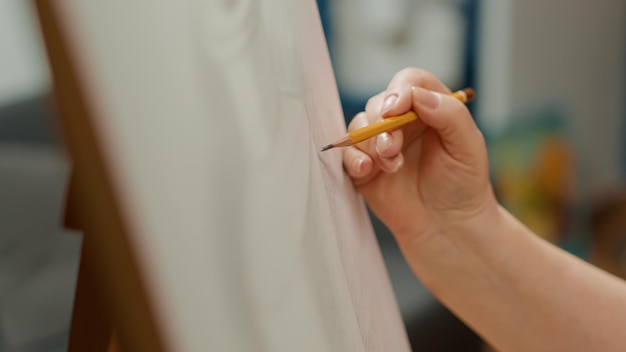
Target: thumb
column 453, row 122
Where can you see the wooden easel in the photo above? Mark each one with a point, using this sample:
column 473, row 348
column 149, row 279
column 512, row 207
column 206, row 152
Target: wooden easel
column 91, row 329
column 110, row 291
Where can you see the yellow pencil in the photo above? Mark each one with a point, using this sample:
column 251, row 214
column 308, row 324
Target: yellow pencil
column 389, row 124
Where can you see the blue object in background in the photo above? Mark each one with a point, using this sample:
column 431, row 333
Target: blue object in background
column 469, row 10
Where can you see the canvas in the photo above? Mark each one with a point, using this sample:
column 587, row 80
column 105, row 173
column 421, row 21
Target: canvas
column 209, row 116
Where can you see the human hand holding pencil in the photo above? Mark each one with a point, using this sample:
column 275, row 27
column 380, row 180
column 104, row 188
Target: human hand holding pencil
column 429, row 183
column 428, row 173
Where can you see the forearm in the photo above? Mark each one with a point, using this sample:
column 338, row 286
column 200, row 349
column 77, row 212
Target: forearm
column 519, row 292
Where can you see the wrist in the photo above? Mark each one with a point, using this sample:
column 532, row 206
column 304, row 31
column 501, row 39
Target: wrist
column 464, row 253
column 455, row 224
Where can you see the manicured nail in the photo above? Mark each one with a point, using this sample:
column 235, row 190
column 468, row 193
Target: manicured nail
column 425, row 98
column 398, row 163
column 393, row 165
column 358, row 165
column 388, row 103
column 383, row 142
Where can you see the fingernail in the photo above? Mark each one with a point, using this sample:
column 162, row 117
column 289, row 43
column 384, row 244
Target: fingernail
column 388, row 103
column 393, row 165
column 383, row 142
column 397, row 163
column 425, row 98
column 358, row 165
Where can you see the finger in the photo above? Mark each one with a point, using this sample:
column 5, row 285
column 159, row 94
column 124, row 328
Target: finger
column 375, row 102
column 357, row 163
column 400, row 88
column 389, row 144
column 387, row 164
column 452, row 121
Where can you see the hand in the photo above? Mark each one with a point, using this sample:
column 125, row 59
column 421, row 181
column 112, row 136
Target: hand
column 429, row 177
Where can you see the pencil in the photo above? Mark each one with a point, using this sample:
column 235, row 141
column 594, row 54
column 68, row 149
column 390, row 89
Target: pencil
column 389, row 124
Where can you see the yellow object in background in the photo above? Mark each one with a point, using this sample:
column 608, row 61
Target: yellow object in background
column 534, row 173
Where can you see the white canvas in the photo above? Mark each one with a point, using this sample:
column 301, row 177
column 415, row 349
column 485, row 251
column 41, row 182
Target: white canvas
column 211, row 115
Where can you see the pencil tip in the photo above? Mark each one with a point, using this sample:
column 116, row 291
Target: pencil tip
column 330, row 146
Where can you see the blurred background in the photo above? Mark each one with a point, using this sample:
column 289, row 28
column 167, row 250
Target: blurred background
column 38, row 259
column 550, row 78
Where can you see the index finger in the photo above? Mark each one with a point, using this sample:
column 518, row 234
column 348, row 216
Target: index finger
column 400, row 86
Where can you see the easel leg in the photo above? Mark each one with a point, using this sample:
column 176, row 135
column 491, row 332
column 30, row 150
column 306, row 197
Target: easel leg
column 91, row 329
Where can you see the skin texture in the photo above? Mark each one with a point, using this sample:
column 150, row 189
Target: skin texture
column 429, row 183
